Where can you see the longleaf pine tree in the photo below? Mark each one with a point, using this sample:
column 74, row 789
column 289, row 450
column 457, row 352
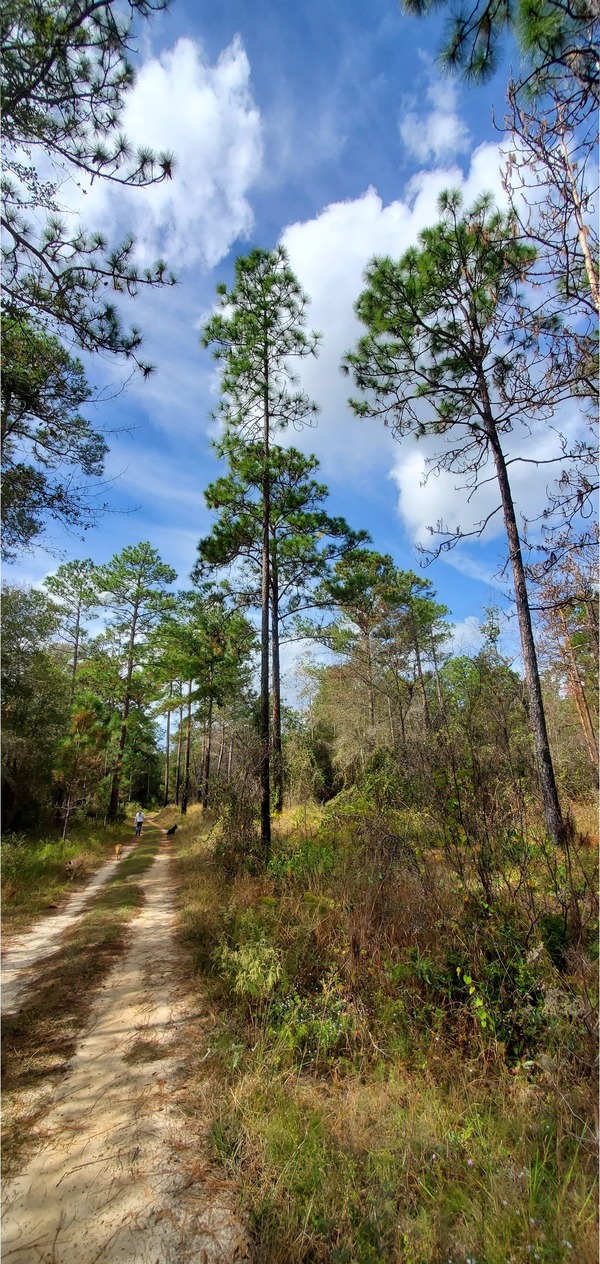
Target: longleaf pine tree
column 256, row 335
column 132, row 586
column 450, row 353
column 304, row 542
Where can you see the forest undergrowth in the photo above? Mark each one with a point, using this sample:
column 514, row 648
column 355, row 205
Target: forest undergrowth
column 404, row 1047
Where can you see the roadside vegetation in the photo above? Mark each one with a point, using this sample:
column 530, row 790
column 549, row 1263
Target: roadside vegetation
column 34, row 875
column 403, row 1067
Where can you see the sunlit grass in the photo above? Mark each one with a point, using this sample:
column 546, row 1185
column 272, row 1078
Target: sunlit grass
column 364, row 1117
column 34, row 878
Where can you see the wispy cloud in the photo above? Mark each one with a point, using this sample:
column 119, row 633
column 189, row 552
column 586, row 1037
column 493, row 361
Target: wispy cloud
column 436, row 133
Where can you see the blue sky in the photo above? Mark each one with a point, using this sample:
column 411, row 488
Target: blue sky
column 327, row 127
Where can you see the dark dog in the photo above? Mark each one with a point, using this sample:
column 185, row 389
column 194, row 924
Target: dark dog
column 171, row 831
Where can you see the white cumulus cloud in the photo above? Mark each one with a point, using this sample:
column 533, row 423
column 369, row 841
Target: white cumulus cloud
column 206, row 115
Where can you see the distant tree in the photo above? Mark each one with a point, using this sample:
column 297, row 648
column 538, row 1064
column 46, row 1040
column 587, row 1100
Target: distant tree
column 132, row 588
column 142, row 760
column 390, row 625
column 566, row 603
column 35, row 706
column 49, row 450
column 449, row 353
column 65, row 78
column 256, row 336
column 74, row 591
column 203, row 643
column 78, row 767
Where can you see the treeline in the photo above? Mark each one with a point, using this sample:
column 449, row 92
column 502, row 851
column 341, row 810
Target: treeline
column 161, row 705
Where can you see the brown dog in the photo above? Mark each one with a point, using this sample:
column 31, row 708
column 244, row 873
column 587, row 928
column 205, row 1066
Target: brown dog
column 118, row 850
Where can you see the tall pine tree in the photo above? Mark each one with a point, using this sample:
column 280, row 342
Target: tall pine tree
column 257, row 334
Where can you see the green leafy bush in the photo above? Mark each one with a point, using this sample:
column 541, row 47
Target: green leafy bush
column 252, row 970
column 313, row 858
column 317, row 1026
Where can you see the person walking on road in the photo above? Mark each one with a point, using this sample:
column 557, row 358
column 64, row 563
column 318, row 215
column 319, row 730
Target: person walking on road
column 139, row 821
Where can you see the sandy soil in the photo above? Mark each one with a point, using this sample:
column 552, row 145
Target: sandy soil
column 118, row 1178
column 44, row 940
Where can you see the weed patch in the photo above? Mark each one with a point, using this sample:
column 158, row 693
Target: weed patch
column 34, row 878
column 403, row 1074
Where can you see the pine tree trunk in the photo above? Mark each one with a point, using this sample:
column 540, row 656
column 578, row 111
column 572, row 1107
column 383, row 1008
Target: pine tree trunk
column 593, row 626
column 67, row 815
column 265, row 779
column 113, row 806
column 277, row 742
column 185, row 793
column 221, row 750
column 436, row 672
column 168, row 749
column 391, row 719
column 207, row 754
column 370, row 686
column 420, row 678
column 178, row 770
column 554, row 821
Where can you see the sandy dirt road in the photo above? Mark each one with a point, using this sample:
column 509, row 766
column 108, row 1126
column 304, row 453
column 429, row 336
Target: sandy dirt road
column 118, row 1178
column 44, row 940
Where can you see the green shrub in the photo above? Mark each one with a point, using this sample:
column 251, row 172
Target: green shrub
column 318, row 1026
column 252, row 970
column 313, row 858
column 238, row 843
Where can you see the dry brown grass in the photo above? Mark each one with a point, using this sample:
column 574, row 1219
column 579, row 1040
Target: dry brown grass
column 411, row 1141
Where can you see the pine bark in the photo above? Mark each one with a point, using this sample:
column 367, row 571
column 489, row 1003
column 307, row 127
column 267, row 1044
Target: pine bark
column 207, row 755
column 554, row 821
column 221, row 749
column 265, row 777
column 420, row 677
column 277, row 740
column 168, row 749
column 178, row 769
column 113, row 807
column 185, row 793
